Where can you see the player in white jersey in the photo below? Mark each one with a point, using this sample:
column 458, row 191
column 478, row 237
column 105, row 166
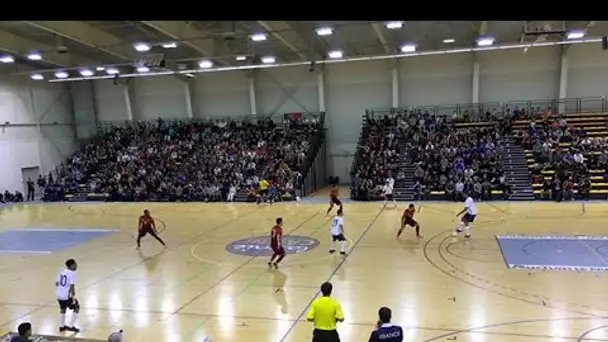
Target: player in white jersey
column 66, row 295
column 470, row 212
column 337, row 233
column 388, row 192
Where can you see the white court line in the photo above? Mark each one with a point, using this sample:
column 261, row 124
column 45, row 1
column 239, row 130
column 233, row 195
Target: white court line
column 6, row 251
column 62, row 230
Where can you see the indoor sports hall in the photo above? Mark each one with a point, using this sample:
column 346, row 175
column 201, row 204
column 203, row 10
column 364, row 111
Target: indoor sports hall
column 103, row 120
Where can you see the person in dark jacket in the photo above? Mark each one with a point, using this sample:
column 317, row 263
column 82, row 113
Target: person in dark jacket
column 386, row 332
column 25, row 332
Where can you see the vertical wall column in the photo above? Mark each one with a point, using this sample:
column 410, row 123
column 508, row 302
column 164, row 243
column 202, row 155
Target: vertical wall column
column 127, row 94
column 475, row 92
column 39, row 136
column 395, row 85
column 563, row 79
column 253, row 107
column 188, row 94
column 321, row 88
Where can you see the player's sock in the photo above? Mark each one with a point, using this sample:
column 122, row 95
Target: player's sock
column 399, row 232
column 417, row 230
column 467, row 231
column 331, row 246
column 160, row 240
column 61, row 320
column 395, row 203
column 73, row 319
column 342, row 247
column 272, row 258
column 328, row 210
column 459, row 228
column 279, row 259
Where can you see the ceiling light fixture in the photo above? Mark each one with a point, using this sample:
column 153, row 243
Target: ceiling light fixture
column 449, row 41
column 37, row 77
column 143, row 68
column 7, row 59
column 324, row 31
column 576, row 35
column 112, row 71
column 241, row 58
column 100, row 68
column 86, row 72
column 142, row 47
column 34, row 56
column 391, row 25
column 205, row 64
column 259, row 37
column 486, row 41
column 408, row 48
column 268, row 60
column 169, row 45
column 335, row 54
column 61, row 74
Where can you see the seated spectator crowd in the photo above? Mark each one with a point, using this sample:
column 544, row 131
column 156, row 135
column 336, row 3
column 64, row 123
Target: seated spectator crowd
column 566, row 155
column 451, row 161
column 448, row 160
column 184, row 161
column 377, row 157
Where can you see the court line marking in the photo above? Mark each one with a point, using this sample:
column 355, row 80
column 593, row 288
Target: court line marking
column 140, row 262
column 335, row 271
column 64, row 230
column 545, row 301
column 245, row 288
column 222, row 279
column 583, row 336
column 525, row 321
column 8, row 251
column 484, row 288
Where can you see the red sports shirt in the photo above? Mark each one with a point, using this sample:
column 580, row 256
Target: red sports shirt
column 276, row 235
column 146, row 222
column 409, row 213
column 333, row 193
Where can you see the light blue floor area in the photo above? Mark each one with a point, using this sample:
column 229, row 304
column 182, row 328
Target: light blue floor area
column 575, row 253
column 46, row 241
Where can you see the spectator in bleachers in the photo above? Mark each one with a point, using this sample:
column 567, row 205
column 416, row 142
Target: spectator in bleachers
column 180, row 161
column 455, row 160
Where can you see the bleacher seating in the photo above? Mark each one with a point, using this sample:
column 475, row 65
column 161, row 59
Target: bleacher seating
column 567, row 152
column 441, row 150
column 377, row 157
column 186, row 161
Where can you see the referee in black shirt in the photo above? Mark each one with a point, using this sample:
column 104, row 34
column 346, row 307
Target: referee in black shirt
column 386, row 332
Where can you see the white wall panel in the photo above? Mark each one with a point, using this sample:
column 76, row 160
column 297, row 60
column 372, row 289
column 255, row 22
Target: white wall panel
column 286, row 90
column 513, row 75
column 83, row 99
column 350, row 89
column 25, row 144
column 587, row 71
column 110, row 101
column 220, row 94
column 433, row 80
column 153, row 97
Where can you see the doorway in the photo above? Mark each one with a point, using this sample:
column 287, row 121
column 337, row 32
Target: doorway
column 29, row 172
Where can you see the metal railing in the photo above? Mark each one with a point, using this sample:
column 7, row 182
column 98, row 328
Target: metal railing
column 106, row 126
column 475, row 111
column 314, row 170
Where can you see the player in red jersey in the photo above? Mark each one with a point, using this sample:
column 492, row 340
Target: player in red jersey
column 408, row 220
column 147, row 226
column 276, row 244
column 333, row 199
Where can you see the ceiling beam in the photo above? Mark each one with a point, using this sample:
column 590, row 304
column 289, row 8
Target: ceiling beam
column 20, row 46
column 88, row 35
column 282, row 31
column 186, row 34
column 379, row 30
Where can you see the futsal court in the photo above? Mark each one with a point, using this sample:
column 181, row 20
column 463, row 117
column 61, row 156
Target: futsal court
column 532, row 272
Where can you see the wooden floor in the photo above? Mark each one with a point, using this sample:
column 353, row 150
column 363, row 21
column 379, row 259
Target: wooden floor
column 196, row 289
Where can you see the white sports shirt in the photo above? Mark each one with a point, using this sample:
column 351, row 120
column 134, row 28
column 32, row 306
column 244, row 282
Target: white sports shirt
column 388, row 189
column 336, row 223
column 65, row 279
column 470, row 204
